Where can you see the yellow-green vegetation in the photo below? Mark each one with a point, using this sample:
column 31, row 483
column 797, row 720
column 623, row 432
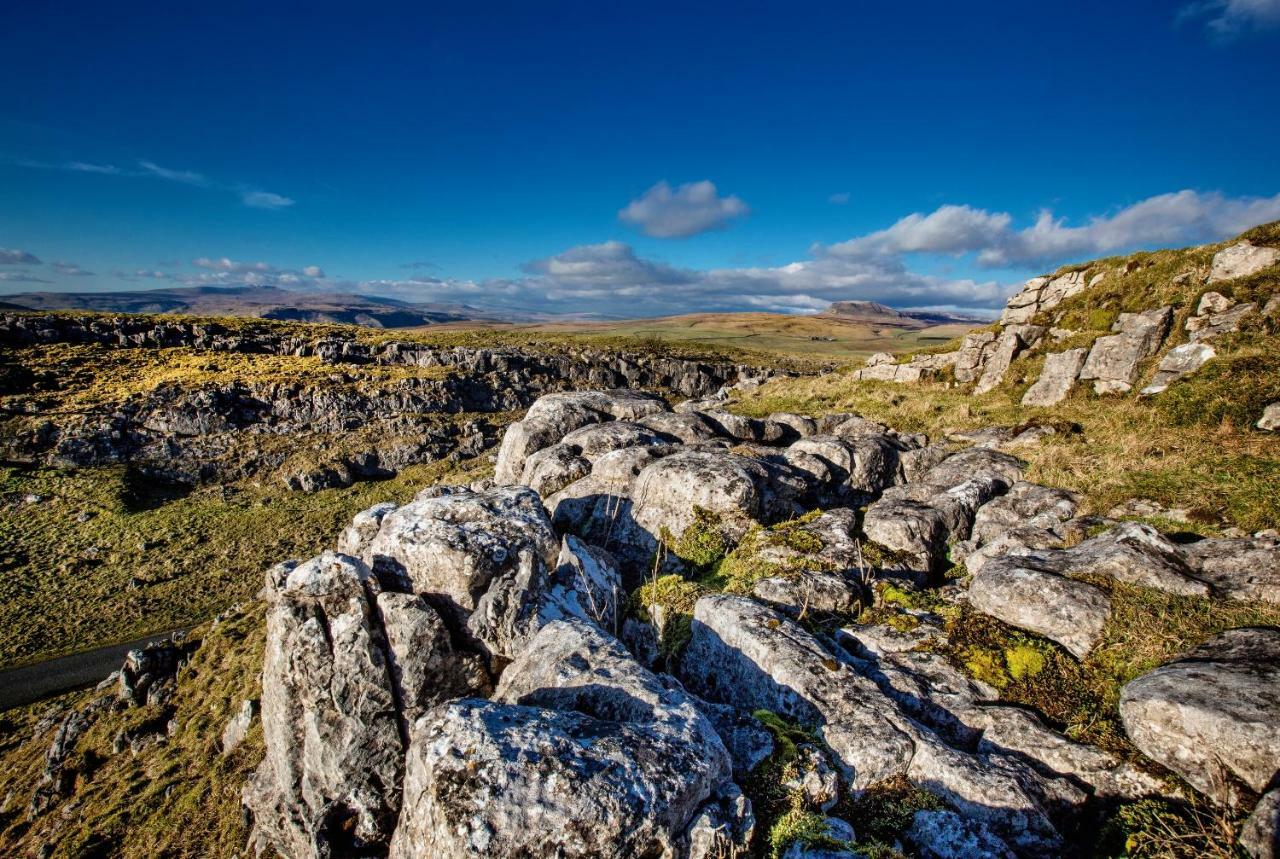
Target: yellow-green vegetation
column 146, row 559
column 1147, row 628
column 782, row 815
column 180, row 797
column 702, row 544
column 751, row 560
column 1165, row 829
column 670, row 599
column 882, row 812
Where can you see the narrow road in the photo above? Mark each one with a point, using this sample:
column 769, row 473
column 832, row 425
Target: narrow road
column 30, row 683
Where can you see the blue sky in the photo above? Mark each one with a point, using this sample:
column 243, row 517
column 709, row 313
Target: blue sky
column 628, row 159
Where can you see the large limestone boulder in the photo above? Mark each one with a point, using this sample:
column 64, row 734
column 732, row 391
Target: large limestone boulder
column 739, row 489
column 1015, row 590
column 1113, row 360
column 1213, row 715
column 1012, row 341
column 1241, row 260
column 1056, row 379
column 1130, row 552
column 1260, row 834
column 329, row 783
column 1025, row 504
column 582, row 753
column 449, row 543
column 553, row 416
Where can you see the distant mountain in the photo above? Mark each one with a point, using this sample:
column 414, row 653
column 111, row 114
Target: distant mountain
column 266, row 302
column 873, row 313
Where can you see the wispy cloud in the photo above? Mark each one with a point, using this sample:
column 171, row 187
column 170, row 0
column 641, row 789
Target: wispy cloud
column 839, row 198
column 693, row 208
column 185, row 177
column 70, row 269
column 265, row 200
column 21, row 277
column 250, row 196
column 1227, row 19
column 12, row 256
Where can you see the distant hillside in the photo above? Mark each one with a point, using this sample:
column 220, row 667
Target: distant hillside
column 265, row 302
column 874, row 313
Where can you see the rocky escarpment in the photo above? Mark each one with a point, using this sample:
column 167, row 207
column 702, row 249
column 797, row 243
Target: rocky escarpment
column 509, row 671
column 224, row 430
column 1203, row 300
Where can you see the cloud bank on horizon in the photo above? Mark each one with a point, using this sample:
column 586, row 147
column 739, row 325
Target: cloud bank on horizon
column 610, row 278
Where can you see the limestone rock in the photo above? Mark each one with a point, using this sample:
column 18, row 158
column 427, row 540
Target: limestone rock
column 330, row 780
column 688, row 427
column 1180, row 361
column 582, row 753
column 1024, row 505
column 947, row 835
column 1014, row 590
column 356, row 537
column 1247, row 568
column 1270, row 419
column 238, row 726
column 1113, row 360
column 1013, row 341
column 811, row 591
column 1240, row 260
column 1056, row 379
column 1214, row 712
column 1260, row 835
column 449, row 544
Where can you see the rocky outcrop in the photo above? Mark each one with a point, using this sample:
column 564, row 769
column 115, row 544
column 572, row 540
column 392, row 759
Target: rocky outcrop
column 1241, row 260
column 1178, row 362
column 1056, row 379
column 1113, row 360
column 1213, row 717
column 582, row 753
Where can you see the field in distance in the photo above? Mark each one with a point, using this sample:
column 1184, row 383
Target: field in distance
column 826, row 336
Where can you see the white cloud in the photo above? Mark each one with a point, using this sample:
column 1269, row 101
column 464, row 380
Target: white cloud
column 692, row 208
column 230, row 265
column 185, row 177
column 313, row 271
column 265, row 200
column 1226, row 19
column 70, row 269
column 12, row 256
column 1184, row 217
column 839, row 199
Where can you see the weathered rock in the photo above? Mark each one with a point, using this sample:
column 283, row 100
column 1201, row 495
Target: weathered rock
column 1241, row 260
column 947, row 835
column 1270, row 419
column 1247, row 568
column 975, row 463
column 1130, row 552
column 449, row 544
column 1180, row 361
column 1056, row 379
column 238, row 726
column 554, row 416
column 688, row 427
column 330, row 782
column 743, row 652
column 749, row 429
column 1113, row 360
column 972, row 354
column 879, row 358
column 1214, row 714
column 723, row 827
column 425, row 667
column 860, row 467
column 355, row 538
column 595, row 440
column 910, row 527
column 1013, row 589
column 1013, row 340
column 739, row 489
column 1024, row 505
column 551, row 469
column 147, row 676
column 1212, row 325
column 582, row 753
column 1260, row 835
column 810, row 591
